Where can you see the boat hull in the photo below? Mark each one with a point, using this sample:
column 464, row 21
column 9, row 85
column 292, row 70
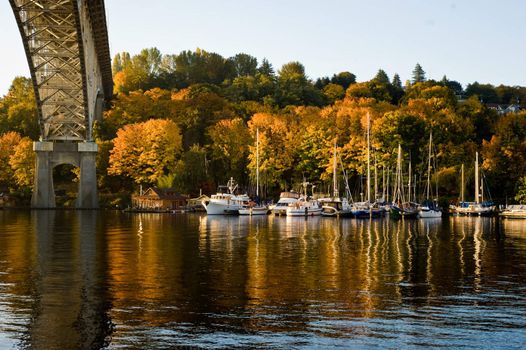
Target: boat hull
column 399, row 213
column 303, row 212
column 329, row 211
column 253, row 211
column 424, row 214
column 222, row 209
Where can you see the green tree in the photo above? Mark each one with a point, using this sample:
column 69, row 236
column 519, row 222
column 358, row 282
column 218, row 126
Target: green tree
column 382, row 77
column 295, row 88
column 344, row 79
column 419, row 76
column 266, row 68
column 520, row 197
column 244, row 64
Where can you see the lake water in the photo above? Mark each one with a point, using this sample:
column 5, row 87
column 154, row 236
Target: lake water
column 154, row 281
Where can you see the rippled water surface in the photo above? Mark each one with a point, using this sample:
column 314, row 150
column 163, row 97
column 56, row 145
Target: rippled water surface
column 155, row 281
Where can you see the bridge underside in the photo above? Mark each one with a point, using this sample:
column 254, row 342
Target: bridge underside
column 66, row 45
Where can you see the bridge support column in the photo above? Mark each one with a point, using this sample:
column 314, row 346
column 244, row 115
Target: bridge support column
column 43, row 193
column 49, row 155
column 87, row 196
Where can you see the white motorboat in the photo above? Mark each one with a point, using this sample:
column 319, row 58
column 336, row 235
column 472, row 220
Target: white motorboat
column 285, row 198
column 226, row 202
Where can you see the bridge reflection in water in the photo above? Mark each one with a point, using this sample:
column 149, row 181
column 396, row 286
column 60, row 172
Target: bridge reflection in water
column 89, row 279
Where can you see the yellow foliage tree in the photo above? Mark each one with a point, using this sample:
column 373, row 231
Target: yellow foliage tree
column 146, row 151
column 22, row 162
column 8, row 142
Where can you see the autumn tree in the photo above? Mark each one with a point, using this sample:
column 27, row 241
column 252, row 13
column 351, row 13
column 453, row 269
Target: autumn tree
column 8, row 143
column 146, row 151
column 278, row 140
column 505, row 154
column 22, row 163
column 229, row 148
column 18, row 110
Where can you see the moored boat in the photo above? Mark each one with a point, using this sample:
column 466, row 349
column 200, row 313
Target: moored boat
column 285, row 198
column 336, row 207
column 517, row 211
column 253, row 211
column 429, row 208
column 225, row 201
column 304, row 207
column 253, row 208
column 479, row 207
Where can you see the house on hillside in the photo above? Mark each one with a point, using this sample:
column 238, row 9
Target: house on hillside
column 159, row 199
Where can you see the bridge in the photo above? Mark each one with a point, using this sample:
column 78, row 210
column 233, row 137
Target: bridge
column 66, row 45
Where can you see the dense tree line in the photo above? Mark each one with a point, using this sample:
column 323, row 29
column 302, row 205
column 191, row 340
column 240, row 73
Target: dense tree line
column 189, row 121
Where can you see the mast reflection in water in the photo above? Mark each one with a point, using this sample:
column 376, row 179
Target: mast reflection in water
column 92, row 280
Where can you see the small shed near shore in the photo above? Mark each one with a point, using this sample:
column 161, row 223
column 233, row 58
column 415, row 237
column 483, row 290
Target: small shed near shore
column 196, row 203
column 159, row 199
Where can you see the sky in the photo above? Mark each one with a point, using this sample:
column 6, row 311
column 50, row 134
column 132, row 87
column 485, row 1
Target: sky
column 466, row 40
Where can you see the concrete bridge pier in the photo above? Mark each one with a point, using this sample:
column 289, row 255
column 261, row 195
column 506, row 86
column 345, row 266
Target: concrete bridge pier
column 51, row 154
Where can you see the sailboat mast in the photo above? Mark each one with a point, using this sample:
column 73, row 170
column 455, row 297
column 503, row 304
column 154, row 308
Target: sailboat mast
column 477, row 199
column 383, row 183
column 482, row 188
column 398, row 191
column 368, row 161
column 388, row 184
column 462, row 183
column 375, row 179
column 334, row 177
column 257, row 162
column 428, row 187
column 409, row 183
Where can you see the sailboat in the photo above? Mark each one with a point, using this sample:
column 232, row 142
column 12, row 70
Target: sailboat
column 257, row 209
column 336, row 206
column 479, row 207
column 367, row 209
column 400, row 207
column 429, row 208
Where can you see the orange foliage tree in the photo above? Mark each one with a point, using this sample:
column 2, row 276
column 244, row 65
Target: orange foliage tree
column 146, row 151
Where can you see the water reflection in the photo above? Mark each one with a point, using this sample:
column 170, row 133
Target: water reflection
column 55, row 265
column 81, row 280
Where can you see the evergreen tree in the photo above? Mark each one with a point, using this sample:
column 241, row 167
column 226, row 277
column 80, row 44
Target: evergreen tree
column 382, row 77
column 266, row 68
column 419, row 76
column 397, row 82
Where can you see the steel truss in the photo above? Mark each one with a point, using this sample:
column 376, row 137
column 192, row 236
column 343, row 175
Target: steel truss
column 53, row 43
